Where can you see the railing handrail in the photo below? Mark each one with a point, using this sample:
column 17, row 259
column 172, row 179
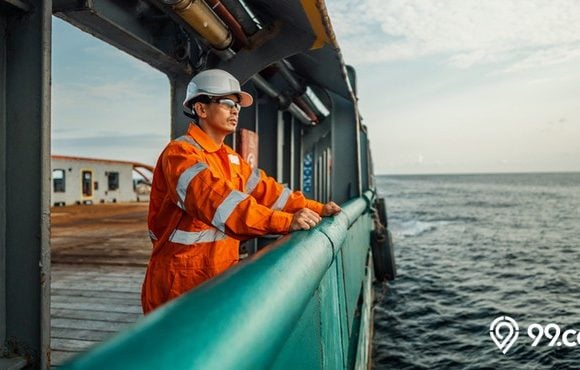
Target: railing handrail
column 239, row 320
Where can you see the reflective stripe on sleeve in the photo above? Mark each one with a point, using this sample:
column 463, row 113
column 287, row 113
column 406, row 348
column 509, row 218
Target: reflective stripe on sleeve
column 282, row 199
column 253, row 181
column 226, row 208
column 185, row 179
column 189, row 139
column 192, row 237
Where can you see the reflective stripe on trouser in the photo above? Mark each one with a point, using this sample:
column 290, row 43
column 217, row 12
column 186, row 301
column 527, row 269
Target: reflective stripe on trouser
column 282, row 199
column 183, row 183
column 192, row 237
column 152, row 235
column 226, row 208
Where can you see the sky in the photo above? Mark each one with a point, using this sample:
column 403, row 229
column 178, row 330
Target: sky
column 453, row 86
column 105, row 103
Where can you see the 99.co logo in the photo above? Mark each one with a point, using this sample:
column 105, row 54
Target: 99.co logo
column 504, row 331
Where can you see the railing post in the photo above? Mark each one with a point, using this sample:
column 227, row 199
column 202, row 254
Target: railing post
column 25, row 47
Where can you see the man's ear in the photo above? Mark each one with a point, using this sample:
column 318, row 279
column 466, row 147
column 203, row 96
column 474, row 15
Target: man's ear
column 200, row 109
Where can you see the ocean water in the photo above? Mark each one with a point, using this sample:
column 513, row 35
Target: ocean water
column 470, row 249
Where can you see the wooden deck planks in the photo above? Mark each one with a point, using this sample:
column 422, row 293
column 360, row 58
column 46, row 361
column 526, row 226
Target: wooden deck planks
column 121, row 317
column 71, row 345
column 90, row 304
column 100, row 325
column 99, row 255
column 88, row 335
column 95, row 293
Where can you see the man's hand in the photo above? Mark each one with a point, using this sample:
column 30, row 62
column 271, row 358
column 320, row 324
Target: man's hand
column 330, row 209
column 305, row 219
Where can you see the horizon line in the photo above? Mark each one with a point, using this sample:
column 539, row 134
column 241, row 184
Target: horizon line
column 480, row 173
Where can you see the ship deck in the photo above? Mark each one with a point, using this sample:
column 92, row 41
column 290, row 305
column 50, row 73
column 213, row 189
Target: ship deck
column 99, row 254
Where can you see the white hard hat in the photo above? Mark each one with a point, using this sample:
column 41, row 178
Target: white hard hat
column 214, row 82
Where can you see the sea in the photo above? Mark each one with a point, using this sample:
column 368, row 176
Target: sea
column 481, row 256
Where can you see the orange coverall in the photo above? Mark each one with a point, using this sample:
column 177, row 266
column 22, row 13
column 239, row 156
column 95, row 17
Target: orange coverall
column 204, row 199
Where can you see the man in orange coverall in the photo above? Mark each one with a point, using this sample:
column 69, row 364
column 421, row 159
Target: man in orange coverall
column 205, row 197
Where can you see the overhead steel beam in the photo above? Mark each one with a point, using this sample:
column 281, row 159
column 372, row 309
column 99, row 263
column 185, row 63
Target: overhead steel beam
column 25, row 181
column 14, row 4
column 322, row 66
column 133, row 26
column 282, row 41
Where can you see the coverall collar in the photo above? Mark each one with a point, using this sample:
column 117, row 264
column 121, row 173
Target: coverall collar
column 202, row 138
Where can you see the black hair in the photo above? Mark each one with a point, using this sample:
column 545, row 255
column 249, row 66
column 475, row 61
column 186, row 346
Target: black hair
column 198, row 99
column 201, row 99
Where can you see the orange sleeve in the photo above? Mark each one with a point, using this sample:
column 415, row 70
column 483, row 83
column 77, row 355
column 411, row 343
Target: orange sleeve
column 315, row 206
column 200, row 191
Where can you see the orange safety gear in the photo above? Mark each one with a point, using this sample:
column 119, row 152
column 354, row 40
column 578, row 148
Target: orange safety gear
column 204, row 199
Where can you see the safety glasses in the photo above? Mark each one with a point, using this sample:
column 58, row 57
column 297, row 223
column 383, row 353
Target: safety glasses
column 227, row 102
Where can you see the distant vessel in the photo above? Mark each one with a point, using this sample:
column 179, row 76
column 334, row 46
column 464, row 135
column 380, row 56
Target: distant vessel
column 303, row 301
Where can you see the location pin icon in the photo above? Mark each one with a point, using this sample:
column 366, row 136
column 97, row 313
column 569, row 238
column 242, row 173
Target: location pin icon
column 504, row 331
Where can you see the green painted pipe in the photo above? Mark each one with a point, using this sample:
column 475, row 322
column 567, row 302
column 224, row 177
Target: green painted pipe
column 239, row 320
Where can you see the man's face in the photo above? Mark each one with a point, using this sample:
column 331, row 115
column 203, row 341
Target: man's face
column 220, row 114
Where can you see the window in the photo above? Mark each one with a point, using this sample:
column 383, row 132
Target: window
column 113, row 180
column 58, row 184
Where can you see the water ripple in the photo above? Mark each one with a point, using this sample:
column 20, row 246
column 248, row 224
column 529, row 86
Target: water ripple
column 470, row 249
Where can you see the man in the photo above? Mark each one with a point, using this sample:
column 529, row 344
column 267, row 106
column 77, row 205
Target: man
column 205, row 197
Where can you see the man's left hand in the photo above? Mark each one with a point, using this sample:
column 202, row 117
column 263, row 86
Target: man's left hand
column 330, row 209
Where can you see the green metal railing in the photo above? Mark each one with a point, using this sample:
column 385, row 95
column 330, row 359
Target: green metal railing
column 290, row 306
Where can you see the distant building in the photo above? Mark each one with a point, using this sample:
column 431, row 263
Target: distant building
column 77, row 180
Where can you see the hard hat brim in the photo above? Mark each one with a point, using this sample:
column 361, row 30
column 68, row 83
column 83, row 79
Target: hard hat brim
column 245, row 99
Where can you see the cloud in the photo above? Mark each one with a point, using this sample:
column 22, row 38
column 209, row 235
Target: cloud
column 103, row 90
column 559, row 123
column 103, row 51
column 103, row 140
column 144, row 148
column 464, row 32
column 546, row 57
column 114, row 90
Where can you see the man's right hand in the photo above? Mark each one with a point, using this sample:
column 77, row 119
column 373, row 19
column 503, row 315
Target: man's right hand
column 305, row 219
